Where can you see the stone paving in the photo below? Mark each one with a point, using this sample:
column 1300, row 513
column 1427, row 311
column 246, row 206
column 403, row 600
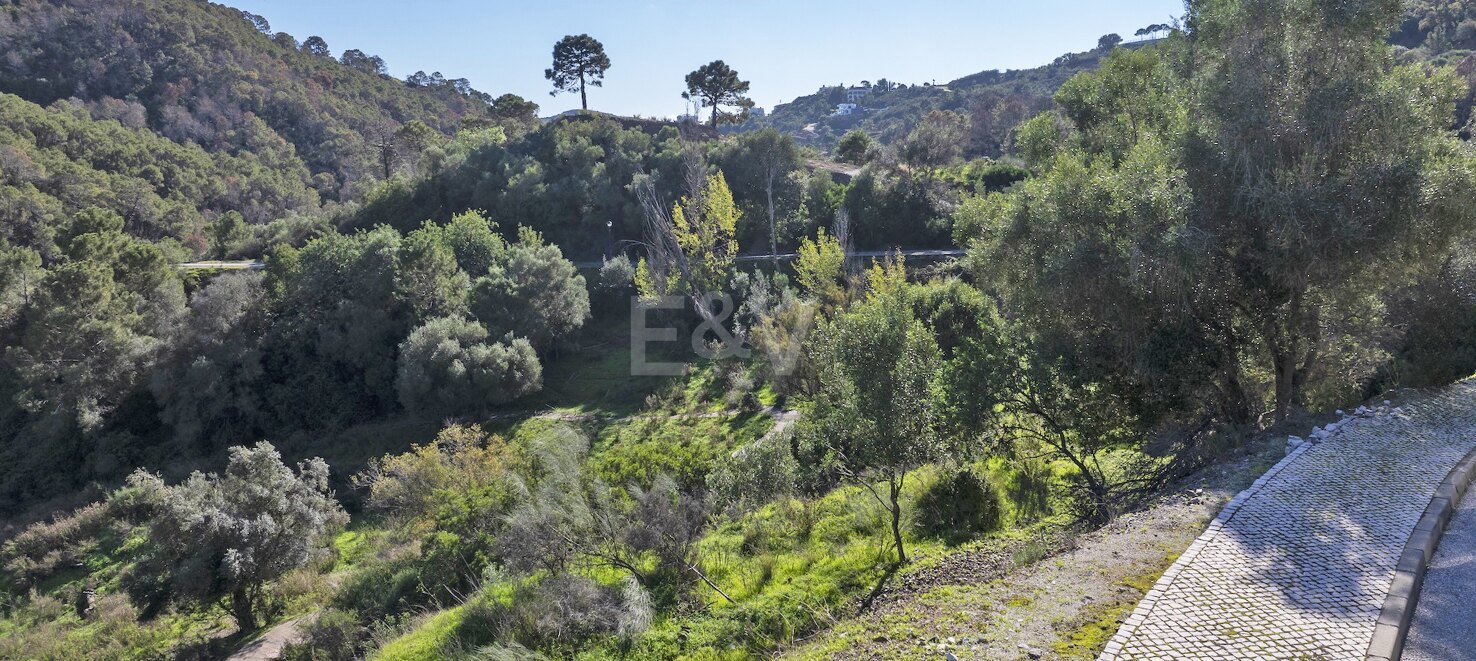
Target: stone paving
column 1298, row 565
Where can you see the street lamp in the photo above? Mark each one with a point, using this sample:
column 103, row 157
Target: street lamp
column 609, row 237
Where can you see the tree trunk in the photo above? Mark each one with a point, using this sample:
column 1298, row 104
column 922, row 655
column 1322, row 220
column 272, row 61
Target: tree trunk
column 583, row 98
column 773, row 227
column 241, row 610
column 1290, row 362
column 896, row 506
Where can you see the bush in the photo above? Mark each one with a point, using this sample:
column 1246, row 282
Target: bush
column 755, row 474
column 1030, row 490
column 958, row 506
column 333, row 635
column 1438, row 344
column 617, row 274
column 380, row 590
column 448, row 366
column 43, row 548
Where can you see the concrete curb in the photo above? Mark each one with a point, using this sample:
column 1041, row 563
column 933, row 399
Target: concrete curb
column 1140, row 614
column 1404, row 593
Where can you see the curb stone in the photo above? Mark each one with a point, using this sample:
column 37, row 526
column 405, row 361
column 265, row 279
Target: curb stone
column 1404, row 593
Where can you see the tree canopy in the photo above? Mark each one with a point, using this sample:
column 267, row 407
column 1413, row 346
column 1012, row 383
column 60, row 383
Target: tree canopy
column 579, row 61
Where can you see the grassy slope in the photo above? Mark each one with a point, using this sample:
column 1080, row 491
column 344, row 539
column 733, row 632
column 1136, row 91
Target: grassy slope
column 1065, row 606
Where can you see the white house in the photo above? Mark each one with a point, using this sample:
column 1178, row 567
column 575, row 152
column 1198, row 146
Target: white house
column 846, row 109
column 855, row 94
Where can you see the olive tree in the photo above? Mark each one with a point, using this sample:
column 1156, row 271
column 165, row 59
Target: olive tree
column 229, row 535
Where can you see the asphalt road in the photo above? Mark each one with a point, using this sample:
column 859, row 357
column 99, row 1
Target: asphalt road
column 1444, row 625
column 243, row 265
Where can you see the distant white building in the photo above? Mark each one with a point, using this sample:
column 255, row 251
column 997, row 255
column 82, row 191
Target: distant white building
column 846, row 109
column 855, row 94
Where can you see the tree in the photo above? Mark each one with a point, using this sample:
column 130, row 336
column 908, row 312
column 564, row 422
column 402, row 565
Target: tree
column 853, row 147
column 534, row 293
column 1108, row 42
column 873, row 417
column 758, row 166
column 1309, row 194
column 705, row 230
column 203, row 383
column 228, row 233
column 427, row 279
column 229, row 535
column 357, row 59
column 413, row 139
column 515, row 112
column 936, row 141
column 259, row 22
column 447, row 367
column 821, row 268
column 578, row 61
column 20, row 272
column 717, row 85
column 316, row 46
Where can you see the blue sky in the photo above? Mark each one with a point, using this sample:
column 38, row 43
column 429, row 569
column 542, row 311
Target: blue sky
column 785, row 49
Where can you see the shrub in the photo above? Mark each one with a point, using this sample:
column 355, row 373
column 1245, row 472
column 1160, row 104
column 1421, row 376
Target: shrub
column 228, row 535
column 617, row 274
column 333, row 635
column 1438, row 344
column 1029, row 489
column 755, row 474
column 448, row 366
column 43, row 548
column 380, row 589
column 958, row 506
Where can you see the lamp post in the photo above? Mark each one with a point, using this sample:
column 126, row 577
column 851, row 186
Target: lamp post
column 609, row 237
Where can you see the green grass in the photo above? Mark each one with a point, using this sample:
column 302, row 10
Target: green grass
column 427, row 640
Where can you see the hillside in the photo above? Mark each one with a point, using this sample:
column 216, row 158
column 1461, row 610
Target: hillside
column 994, row 100
column 203, row 73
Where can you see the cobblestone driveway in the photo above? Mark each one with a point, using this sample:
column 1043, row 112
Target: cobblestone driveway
column 1297, row 566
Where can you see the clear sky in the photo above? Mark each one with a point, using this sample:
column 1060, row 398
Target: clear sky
column 784, row 48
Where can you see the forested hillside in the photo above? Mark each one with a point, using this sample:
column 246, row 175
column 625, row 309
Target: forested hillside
column 995, row 101
column 422, row 429
column 202, row 72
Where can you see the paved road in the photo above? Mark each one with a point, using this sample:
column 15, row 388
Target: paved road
column 1444, row 627
column 1297, row 566
column 929, row 253
column 236, row 265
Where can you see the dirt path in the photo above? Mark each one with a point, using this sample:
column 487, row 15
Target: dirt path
column 269, row 645
column 977, row 605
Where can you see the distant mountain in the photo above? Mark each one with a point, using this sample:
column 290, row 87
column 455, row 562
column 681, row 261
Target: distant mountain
column 994, row 100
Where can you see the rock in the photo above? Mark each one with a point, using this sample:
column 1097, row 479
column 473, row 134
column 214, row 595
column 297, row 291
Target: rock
column 950, row 656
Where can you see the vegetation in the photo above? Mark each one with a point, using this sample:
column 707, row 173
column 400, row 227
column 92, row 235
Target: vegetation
column 578, row 62
column 716, row 84
column 1151, row 278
